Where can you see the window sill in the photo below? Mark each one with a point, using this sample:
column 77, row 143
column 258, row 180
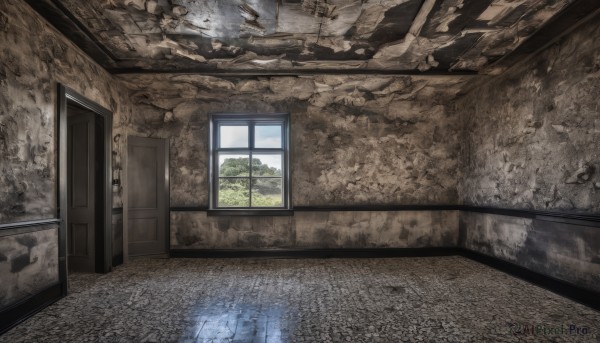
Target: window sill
column 249, row 212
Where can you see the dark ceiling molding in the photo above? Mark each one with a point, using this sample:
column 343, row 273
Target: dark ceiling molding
column 294, row 72
column 574, row 15
column 65, row 22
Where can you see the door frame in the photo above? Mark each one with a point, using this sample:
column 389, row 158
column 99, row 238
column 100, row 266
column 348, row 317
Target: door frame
column 66, row 94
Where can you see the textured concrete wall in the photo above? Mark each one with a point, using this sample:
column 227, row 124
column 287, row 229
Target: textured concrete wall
column 34, row 59
column 532, row 136
column 336, row 229
column 28, row 263
column 564, row 251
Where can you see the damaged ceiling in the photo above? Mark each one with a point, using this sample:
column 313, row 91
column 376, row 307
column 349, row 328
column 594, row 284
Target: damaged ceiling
column 457, row 36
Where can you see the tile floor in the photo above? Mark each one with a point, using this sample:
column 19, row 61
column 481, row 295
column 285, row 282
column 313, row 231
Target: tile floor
column 432, row 299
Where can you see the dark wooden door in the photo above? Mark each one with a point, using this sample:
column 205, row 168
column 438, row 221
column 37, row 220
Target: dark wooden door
column 148, row 196
column 81, row 199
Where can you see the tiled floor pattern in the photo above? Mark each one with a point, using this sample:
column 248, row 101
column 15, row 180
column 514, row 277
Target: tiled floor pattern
column 432, row 299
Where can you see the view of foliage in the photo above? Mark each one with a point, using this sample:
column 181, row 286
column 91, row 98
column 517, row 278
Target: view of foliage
column 236, row 192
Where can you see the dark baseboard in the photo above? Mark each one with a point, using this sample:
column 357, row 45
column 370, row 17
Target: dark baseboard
column 566, row 289
column 17, row 313
column 314, row 253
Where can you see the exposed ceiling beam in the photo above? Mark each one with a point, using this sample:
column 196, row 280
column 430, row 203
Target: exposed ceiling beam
column 400, row 47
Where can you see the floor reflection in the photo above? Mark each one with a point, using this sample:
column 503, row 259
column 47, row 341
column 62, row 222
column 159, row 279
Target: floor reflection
column 242, row 323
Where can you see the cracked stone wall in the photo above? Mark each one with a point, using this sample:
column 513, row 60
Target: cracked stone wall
column 34, row 59
column 532, row 141
column 356, row 140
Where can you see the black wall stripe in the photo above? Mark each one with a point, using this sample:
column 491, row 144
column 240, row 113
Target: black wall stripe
column 40, row 222
column 577, row 218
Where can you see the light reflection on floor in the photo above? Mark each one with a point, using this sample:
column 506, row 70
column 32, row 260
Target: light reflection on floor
column 244, row 323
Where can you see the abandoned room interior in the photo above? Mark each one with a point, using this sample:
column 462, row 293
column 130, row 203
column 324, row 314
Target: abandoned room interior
column 300, row 171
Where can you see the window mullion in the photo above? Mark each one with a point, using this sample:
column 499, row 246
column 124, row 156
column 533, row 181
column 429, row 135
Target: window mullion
column 250, row 180
column 251, row 147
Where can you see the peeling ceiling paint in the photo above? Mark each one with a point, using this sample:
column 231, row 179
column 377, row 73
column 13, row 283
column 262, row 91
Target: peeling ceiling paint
column 209, row 35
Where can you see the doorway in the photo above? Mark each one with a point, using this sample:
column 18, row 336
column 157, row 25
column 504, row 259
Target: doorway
column 85, row 191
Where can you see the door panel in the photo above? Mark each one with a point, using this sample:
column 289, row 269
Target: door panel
column 81, row 214
column 145, row 160
column 79, row 239
column 144, row 229
column 148, row 198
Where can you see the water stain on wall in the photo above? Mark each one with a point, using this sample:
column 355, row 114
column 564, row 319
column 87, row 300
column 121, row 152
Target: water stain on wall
column 336, row 229
column 564, row 251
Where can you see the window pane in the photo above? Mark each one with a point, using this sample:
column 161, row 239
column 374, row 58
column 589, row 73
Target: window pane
column 267, row 136
column 232, row 164
column 234, row 193
column 266, row 164
column 267, row 192
column 233, row 136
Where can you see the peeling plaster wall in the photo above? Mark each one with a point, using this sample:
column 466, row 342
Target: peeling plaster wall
column 564, row 251
column 28, row 263
column 532, row 141
column 356, row 140
column 532, row 136
column 34, row 59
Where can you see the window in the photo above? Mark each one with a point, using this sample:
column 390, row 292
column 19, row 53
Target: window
column 249, row 162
